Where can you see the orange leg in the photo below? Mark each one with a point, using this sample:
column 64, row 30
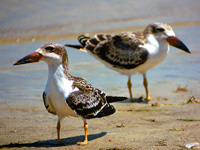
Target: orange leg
column 146, row 87
column 85, row 142
column 129, row 87
column 58, row 132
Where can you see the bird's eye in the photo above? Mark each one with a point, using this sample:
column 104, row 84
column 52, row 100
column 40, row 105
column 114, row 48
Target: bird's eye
column 160, row 29
column 49, row 48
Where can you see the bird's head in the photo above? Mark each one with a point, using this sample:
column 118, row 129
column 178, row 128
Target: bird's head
column 51, row 53
column 164, row 32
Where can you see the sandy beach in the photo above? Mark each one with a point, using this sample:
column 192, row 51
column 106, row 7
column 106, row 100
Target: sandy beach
column 133, row 126
column 170, row 121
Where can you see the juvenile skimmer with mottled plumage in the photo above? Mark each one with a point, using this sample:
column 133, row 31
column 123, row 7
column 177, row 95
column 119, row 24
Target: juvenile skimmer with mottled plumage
column 66, row 95
column 132, row 52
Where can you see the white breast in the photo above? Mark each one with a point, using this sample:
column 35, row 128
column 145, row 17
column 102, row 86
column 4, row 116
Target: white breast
column 58, row 88
column 156, row 55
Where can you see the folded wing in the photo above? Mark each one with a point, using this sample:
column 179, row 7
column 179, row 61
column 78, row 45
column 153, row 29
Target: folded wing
column 124, row 50
column 90, row 102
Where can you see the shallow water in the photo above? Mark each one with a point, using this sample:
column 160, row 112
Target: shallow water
column 26, row 25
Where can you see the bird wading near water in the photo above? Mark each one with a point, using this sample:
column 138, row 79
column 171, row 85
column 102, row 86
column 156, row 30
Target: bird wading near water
column 66, row 95
column 132, row 52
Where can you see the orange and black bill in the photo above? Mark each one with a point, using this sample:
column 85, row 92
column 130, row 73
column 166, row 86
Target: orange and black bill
column 174, row 41
column 34, row 57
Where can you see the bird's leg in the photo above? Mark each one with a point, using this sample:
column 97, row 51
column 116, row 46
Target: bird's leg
column 146, row 87
column 58, row 132
column 129, row 87
column 85, row 142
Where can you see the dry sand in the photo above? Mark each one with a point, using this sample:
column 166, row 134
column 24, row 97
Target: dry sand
column 133, row 126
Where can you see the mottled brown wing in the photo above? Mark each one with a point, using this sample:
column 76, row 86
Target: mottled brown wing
column 121, row 50
column 89, row 102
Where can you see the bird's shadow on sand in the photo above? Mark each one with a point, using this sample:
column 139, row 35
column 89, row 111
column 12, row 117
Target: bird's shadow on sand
column 52, row 143
column 136, row 100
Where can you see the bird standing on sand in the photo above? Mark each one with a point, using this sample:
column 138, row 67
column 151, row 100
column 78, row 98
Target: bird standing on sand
column 66, row 95
column 132, row 52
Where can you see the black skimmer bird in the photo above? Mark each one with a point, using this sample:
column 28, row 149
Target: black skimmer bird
column 66, row 95
column 132, row 52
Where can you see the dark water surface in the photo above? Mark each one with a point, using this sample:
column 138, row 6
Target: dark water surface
column 26, row 25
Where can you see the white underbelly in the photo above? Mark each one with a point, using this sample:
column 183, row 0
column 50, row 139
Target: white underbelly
column 150, row 63
column 57, row 93
column 59, row 105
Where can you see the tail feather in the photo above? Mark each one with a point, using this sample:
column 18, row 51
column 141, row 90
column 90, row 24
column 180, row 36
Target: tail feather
column 82, row 39
column 111, row 99
column 74, row 46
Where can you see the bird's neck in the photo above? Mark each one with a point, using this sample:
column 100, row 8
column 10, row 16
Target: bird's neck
column 57, row 72
column 152, row 40
column 160, row 44
column 55, row 69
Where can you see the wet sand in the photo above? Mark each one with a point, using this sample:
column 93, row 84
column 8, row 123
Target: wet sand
column 168, row 122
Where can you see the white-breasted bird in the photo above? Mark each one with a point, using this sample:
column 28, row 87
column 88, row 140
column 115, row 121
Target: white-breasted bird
column 67, row 95
column 132, row 52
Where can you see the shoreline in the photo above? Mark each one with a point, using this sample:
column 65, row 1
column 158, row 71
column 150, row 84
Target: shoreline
column 61, row 36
